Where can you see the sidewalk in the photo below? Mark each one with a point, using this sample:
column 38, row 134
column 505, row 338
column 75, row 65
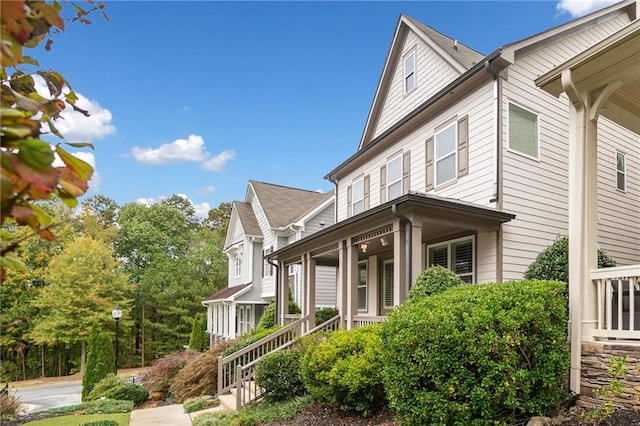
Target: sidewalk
column 173, row 415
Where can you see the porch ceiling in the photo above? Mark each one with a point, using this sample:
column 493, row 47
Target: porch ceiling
column 438, row 217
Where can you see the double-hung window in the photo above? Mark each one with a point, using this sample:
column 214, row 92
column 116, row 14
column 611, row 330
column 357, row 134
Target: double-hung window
column 445, row 158
column 267, row 268
column 238, row 265
column 394, row 177
column 357, row 194
column 409, row 64
column 621, row 171
column 456, row 255
column 362, row 285
column 523, row 131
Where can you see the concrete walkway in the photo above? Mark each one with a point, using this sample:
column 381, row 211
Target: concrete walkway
column 173, row 415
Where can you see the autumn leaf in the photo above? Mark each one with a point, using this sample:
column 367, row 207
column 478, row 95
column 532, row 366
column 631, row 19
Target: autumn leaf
column 78, row 166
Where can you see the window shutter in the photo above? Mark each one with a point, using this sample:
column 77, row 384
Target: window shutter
column 263, row 271
column 463, row 146
column 406, row 172
column 349, row 201
column 383, row 184
column 366, row 192
column 429, row 163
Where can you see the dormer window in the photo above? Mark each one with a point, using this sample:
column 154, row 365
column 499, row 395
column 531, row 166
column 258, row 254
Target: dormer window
column 409, row 71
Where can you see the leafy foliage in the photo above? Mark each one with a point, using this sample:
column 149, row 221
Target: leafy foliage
column 324, row 315
column 347, row 369
column 9, row 406
column 100, row 406
column 199, row 403
column 249, row 338
column 477, row 354
column 101, row 423
column 433, row 280
column 107, row 383
column 163, row 370
column 199, row 339
column 128, row 392
column 553, row 262
column 279, row 374
column 268, row 318
column 604, row 395
column 28, row 172
column 258, row 413
column 100, row 360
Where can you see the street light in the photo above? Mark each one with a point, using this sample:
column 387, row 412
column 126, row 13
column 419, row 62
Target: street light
column 116, row 314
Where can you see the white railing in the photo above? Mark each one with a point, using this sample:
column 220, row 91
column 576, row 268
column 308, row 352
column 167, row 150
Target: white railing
column 618, row 302
column 360, row 321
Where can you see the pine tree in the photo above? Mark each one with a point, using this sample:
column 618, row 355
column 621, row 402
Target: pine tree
column 199, row 339
column 101, row 360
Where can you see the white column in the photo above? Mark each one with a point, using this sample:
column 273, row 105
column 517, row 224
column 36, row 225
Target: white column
column 341, row 291
column 351, row 283
column 310, row 295
column 399, row 269
column 417, row 256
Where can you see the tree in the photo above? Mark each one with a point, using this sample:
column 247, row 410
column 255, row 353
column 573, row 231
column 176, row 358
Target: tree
column 199, row 339
column 28, row 171
column 84, row 281
column 218, row 218
column 100, row 360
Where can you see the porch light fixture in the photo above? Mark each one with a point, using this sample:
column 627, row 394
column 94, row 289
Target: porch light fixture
column 384, row 241
column 364, row 247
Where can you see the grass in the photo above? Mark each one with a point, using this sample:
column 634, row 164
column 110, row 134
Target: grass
column 257, row 413
column 75, row 420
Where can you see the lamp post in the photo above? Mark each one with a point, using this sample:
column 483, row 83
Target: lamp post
column 116, row 314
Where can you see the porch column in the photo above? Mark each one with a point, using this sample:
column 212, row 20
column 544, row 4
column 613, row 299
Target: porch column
column 341, row 293
column 583, row 218
column 399, row 258
column 232, row 321
column 417, row 256
column 309, row 309
column 351, row 283
column 283, row 294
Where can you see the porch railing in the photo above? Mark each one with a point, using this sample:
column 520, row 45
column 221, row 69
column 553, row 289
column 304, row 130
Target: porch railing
column 361, row 320
column 618, row 302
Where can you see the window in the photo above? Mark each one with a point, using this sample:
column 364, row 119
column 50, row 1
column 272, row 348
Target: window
column 387, row 284
column 456, row 255
column 446, row 148
column 621, row 171
column 523, row 131
column 362, row 285
column 410, row 72
column 357, row 191
column 394, row 178
column 267, row 267
column 238, row 265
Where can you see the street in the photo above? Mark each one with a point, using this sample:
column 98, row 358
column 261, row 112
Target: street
column 43, row 397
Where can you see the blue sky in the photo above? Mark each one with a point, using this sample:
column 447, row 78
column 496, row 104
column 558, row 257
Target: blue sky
column 197, row 98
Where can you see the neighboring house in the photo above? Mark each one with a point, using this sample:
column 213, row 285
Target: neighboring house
column 465, row 162
column 271, row 217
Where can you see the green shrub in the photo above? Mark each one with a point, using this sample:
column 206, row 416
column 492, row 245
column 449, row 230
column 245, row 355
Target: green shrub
column 268, row 318
column 194, row 404
column 101, row 423
column 433, row 280
column 346, row 369
column 199, row 339
column 109, row 382
column 477, row 354
column 100, row 360
column 129, row 392
column 100, row 406
column 279, row 374
column 324, row 315
column 553, row 262
column 250, row 338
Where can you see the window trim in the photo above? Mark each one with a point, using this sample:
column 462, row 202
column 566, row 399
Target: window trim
column 449, row 244
column 267, row 267
column 454, row 152
column 410, row 54
column 399, row 180
column 623, row 171
column 513, row 150
column 354, row 201
column 365, row 286
column 238, row 265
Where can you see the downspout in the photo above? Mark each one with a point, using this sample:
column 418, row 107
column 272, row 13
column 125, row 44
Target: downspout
column 277, row 289
column 335, row 203
column 408, row 239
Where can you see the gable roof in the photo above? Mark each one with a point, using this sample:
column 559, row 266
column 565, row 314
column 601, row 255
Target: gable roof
column 227, row 292
column 282, row 204
column 247, row 219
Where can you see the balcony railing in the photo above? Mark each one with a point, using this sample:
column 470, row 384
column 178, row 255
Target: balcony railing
column 362, row 320
column 618, row 302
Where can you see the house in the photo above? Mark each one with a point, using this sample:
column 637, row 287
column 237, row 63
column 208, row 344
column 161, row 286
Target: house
column 465, row 162
column 271, row 217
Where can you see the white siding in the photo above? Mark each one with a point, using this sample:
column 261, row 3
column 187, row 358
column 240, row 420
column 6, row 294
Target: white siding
column 314, row 224
column 486, row 257
column 326, row 282
column 432, row 74
column 537, row 190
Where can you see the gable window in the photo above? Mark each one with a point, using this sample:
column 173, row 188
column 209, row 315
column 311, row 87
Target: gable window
column 394, row 178
column 409, row 72
column 621, row 171
column 445, row 158
column 238, row 265
column 456, row 255
column 523, row 131
column 362, row 285
column 357, row 193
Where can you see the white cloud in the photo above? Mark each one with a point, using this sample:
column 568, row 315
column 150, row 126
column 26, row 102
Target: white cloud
column 202, row 209
column 217, row 162
column 178, row 151
column 149, row 201
column 577, row 8
column 207, row 190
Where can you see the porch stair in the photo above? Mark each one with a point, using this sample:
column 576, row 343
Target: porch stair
column 236, row 372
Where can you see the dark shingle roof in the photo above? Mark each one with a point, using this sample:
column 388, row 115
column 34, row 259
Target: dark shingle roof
column 247, row 218
column 226, row 292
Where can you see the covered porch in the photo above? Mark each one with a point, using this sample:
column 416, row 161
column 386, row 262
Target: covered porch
column 379, row 253
column 603, row 81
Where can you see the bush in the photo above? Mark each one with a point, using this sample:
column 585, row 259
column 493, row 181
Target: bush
column 199, row 376
column 553, row 262
column 100, row 360
column 268, row 318
column 101, row 423
column 477, row 354
column 249, row 338
column 163, row 370
column 100, row 406
column 433, row 280
column 346, row 369
column 199, row 339
column 9, row 406
column 279, row 374
column 324, row 315
column 199, row 403
column 109, row 382
column 129, row 392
